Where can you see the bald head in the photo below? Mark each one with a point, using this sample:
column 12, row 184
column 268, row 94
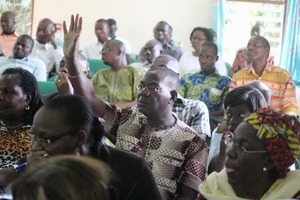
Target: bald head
column 263, row 88
column 258, row 29
column 8, row 22
column 45, row 29
column 166, row 61
column 152, row 49
column 116, row 44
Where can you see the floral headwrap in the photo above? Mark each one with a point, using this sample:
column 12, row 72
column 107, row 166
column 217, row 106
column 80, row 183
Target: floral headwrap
column 280, row 134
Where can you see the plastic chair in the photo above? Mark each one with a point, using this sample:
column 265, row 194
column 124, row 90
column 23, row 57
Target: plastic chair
column 47, row 87
column 297, row 164
column 228, row 68
column 53, row 78
column 96, row 65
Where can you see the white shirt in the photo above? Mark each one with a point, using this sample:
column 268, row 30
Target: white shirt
column 33, row 65
column 126, row 44
column 214, row 147
column 93, row 50
column 142, row 68
column 50, row 56
column 189, row 63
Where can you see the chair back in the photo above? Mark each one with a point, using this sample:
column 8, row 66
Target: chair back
column 47, row 87
column 297, row 164
column 95, row 65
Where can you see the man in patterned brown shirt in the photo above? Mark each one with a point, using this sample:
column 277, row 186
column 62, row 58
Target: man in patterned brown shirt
column 174, row 152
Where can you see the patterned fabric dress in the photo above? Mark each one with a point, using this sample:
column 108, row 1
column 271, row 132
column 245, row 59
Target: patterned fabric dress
column 13, row 146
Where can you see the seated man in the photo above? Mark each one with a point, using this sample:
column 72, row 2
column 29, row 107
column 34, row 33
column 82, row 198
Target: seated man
column 151, row 51
column 117, row 84
column 112, row 34
column 174, row 152
column 45, row 47
column 207, row 85
column 19, row 58
column 277, row 79
column 241, row 55
column 93, row 50
column 9, row 36
column 192, row 112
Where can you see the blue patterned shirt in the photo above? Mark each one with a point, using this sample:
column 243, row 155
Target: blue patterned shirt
column 210, row 89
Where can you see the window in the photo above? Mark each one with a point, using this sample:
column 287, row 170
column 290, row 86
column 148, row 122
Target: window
column 241, row 15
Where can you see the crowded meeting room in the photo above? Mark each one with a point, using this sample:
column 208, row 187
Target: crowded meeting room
column 199, row 97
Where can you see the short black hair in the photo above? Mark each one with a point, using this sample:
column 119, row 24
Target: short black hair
column 171, row 78
column 212, row 45
column 29, row 85
column 112, row 22
column 27, row 37
column 206, row 32
column 102, row 20
column 250, row 96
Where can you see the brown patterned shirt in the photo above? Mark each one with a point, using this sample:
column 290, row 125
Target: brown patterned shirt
column 175, row 155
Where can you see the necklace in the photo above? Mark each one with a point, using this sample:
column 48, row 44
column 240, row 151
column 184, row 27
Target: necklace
column 12, row 127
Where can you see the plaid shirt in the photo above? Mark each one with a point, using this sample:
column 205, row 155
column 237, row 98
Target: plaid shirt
column 194, row 113
column 174, row 155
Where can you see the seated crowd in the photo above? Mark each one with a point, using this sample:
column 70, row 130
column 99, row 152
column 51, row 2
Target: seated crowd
column 101, row 134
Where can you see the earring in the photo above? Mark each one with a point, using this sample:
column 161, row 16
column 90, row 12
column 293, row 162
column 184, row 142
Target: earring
column 265, row 169
column 27, row 107
column 77, row 152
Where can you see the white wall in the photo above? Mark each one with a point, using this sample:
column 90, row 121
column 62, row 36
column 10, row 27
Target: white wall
column 135, row 18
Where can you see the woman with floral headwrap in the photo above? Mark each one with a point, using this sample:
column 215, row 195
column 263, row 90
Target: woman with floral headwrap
column 258, row 160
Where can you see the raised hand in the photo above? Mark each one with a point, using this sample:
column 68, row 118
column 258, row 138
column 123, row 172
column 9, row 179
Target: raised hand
column 63, row 84
column 71, row 36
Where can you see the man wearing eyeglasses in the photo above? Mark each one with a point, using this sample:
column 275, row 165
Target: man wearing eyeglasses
column 173, row 151
column 117, row 84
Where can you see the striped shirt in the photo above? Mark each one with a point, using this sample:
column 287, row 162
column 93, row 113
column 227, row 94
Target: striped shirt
column 278, row 80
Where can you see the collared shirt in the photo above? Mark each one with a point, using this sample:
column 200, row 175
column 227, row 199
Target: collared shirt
column 210, row 89
column 125, row 42
column 8, row 42
column 142, row 68
column 33, row 65
column 174, row 155
column 241, row 63
column 279, row 81
column 194, row 113
column 50, row 56
column 93, row 50
column 117, row 86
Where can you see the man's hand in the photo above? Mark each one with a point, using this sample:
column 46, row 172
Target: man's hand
column 71, row 36
column 52, row 40
column 63, row 84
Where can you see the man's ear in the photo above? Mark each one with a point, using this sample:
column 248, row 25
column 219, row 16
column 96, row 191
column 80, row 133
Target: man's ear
column 174, row 95
column 217, row 58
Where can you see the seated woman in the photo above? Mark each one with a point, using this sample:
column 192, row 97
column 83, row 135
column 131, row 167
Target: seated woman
column 73, row 130
column 19, row 101
column 239, row 103
column 258, row 158
column 64, row 178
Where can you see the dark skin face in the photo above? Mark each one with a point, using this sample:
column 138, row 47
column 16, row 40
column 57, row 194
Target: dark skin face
column 44, row 31
column 162, row 32
column 113, row 30
column 235, row 115
column 63, row 139
column 154, row 102
column 256, row 51
column 12, row 98
column 151, row 51
column 22, row 48
column 7, row 23
column 246, row 169
column 109, row 53
column 102, row 31
column 208, row 58
column 197, row 40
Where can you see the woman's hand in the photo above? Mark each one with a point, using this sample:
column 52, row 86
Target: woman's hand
column 63, row 84
column 37, row 155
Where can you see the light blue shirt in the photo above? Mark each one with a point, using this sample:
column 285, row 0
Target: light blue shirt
column 33, row 65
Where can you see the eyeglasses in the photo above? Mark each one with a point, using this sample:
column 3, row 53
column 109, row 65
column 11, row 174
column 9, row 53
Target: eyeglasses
column 198, row 39
column 47, row 142
column 107, row 49
column 239, row 149
column 150, row 88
